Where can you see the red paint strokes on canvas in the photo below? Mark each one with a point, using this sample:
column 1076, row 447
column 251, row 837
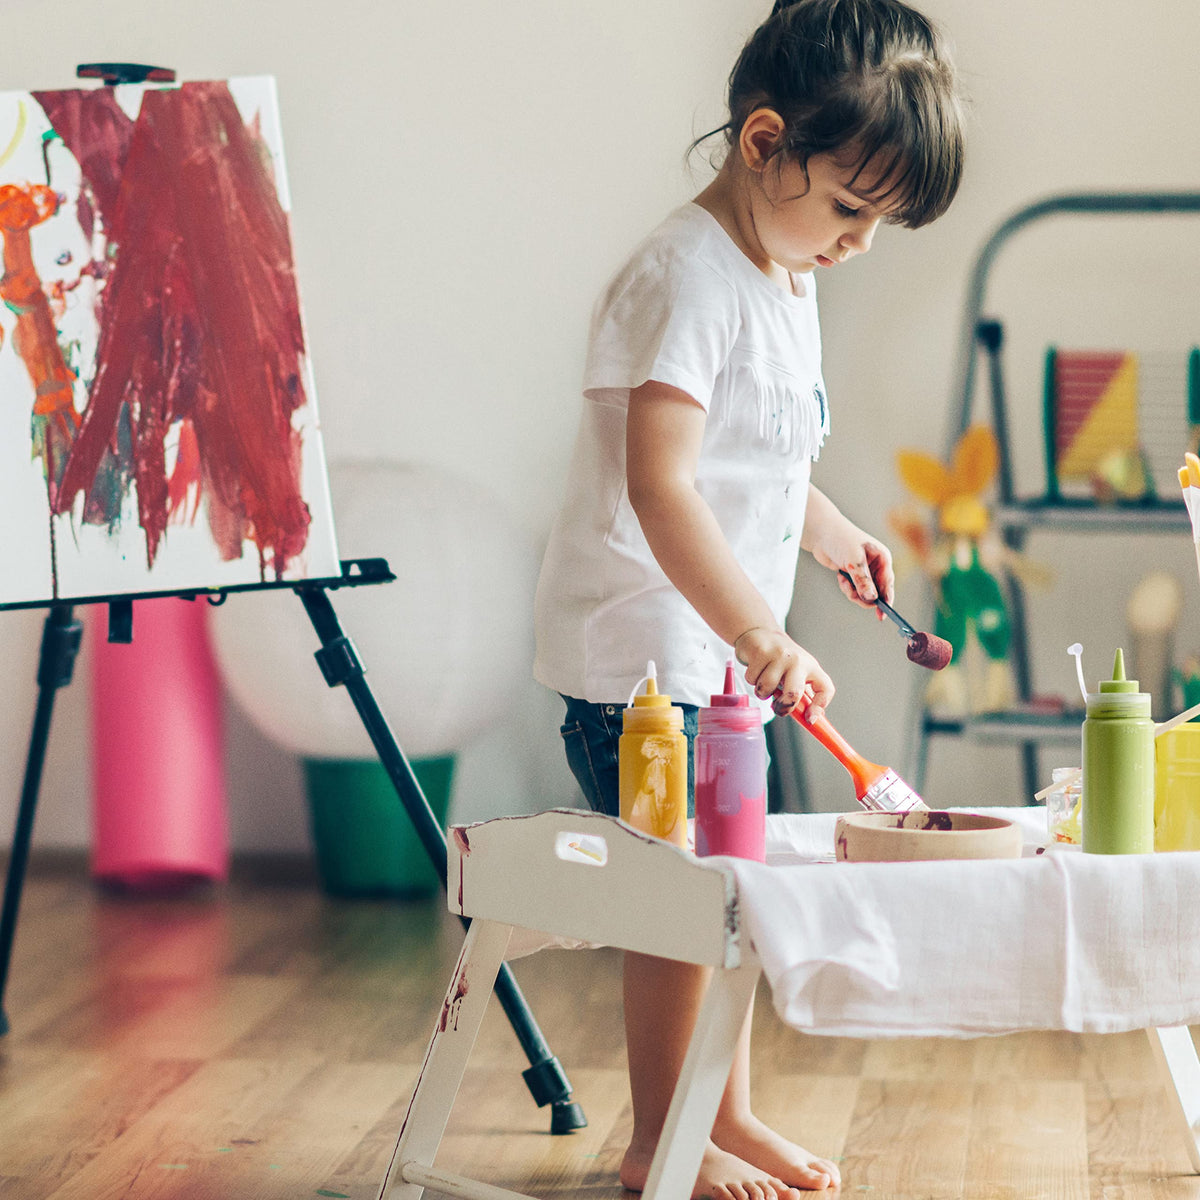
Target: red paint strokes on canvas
column 200, row 326
column 96, row 129
column 99, row 131
column 54, row 420
column 183, row 489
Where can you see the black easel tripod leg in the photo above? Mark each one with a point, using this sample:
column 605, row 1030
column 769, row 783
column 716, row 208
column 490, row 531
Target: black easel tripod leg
column 60, row 642
column 339, row 663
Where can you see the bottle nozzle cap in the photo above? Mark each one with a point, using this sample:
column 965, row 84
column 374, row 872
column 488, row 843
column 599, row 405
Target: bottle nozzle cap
column 1118, row 682
column 730, row 697
column 651, row 698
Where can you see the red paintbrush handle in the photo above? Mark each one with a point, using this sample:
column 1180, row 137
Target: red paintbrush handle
column 862, row 771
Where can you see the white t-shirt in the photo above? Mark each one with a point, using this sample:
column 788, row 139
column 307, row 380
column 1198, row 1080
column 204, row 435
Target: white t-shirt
column 690, row 310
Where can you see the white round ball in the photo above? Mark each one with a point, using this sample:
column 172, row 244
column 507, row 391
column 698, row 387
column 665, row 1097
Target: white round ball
column 442, row 645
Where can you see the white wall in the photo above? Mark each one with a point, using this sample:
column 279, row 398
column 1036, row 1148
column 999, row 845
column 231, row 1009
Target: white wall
column 464, row 176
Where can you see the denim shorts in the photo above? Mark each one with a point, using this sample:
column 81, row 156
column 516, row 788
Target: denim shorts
column 590, row 733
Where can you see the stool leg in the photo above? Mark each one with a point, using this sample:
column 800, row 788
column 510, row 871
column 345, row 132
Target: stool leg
column 446, row 1058
column 701, row 1083
column 1180, row 1070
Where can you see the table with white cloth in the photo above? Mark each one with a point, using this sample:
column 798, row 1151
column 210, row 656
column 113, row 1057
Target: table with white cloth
column 1055, row 939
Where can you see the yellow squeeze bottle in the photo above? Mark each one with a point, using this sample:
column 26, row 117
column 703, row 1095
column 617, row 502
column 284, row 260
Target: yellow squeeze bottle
column 652, row 757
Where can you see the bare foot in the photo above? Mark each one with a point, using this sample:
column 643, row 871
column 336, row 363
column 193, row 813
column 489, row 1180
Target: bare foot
column 723, row 1176
column 750, row 1139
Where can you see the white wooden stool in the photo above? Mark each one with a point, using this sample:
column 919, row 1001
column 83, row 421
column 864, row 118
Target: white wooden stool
column 586, row 877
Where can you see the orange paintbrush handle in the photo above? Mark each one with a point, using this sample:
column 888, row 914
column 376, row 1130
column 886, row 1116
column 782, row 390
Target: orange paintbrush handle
column 862, row 771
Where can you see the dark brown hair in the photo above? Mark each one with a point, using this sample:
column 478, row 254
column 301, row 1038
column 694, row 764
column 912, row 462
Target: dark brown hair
column 869, row 76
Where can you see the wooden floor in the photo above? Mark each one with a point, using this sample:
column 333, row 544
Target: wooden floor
column 258, row 1042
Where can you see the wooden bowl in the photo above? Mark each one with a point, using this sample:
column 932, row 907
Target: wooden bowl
column 924, row 834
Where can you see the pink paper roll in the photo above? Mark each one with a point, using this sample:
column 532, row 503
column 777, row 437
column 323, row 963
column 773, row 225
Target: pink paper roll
column 158, row 788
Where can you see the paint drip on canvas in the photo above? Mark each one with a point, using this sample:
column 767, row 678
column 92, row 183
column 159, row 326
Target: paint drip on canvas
column 158, row 426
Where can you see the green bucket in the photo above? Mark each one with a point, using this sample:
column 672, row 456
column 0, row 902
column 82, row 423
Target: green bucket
column 365, row 843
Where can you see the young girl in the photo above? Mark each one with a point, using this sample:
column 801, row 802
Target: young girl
column 689, row 494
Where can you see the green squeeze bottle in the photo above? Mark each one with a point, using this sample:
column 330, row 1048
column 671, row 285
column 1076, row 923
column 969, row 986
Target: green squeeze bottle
column 1118, row 767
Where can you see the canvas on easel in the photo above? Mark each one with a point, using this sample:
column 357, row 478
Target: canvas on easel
column 158, row 421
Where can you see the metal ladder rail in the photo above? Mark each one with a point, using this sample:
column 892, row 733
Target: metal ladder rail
column 1091, row 203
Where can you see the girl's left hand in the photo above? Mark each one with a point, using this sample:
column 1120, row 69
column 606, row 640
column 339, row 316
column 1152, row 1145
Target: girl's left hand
column 870, row 571
column 837, row 543
column 868, row 563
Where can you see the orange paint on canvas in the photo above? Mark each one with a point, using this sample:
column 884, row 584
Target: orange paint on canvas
column 22, row 207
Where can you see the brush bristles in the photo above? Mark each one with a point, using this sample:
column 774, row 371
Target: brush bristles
column 929, row 651
column 889, row 793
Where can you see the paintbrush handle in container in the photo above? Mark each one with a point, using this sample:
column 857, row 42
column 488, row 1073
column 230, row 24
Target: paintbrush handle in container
column 862, row 771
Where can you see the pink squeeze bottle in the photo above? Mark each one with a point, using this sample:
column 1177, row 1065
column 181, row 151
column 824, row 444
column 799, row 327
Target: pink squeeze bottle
column 731, row 776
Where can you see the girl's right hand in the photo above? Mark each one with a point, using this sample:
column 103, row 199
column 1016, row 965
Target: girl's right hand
column 779, row 667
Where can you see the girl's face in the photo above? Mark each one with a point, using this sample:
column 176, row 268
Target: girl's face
column 815, row 219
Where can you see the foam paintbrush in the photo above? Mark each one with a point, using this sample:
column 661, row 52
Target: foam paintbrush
column 925, row 649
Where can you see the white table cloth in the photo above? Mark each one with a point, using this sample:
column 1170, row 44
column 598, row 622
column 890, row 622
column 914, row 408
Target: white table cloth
column 1058, row 940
